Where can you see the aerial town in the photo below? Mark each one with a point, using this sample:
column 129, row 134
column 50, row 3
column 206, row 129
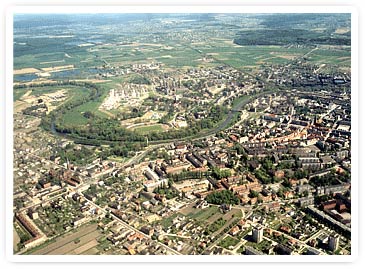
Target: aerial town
column 176, row 144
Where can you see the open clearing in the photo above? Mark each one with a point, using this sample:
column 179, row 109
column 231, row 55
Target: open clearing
column 83, row 248
column 58, row 68
column 342, row 30
column 71, row 242
column 16, row 240
column 151, row 128
column 200, row 214
column 25, row 71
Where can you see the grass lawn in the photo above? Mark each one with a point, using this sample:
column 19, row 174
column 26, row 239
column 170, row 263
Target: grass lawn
column 167, row 222
column 38, row 91
column 148, row 129
column 75, row 116
column 118, row 159
column 204, row 214
column 228, row 241
column 18, row 93
column 239, row 100
column 243, row 57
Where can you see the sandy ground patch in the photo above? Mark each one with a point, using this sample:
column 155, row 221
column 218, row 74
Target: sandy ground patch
column 71, row 246
column 232, row 43
column 151, row 44
column 285, row 56
column 20, row 105
column 58, row 68
column 85, row 45
column 150, row 114
column 28, row 93
column 92, row 80
column 342, row 30
column 16, row 240
column 136, row 44
column 91, row 251
column 344, row 58
column 52, row 62
column 215, row 89
column 319, row 29
column 107, row 112
column 85, row 247
column 25, row 71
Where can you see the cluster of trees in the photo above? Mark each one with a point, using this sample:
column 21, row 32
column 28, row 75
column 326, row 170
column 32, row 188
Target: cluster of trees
column 167, row 191
column 32, row 110
column 222, row 197
column 215, row 226
column 91, row 190
column 326, row 180
column 218, row 173
column 120, row 149
column 264, row 177
column 240, row 151
column 215, row 115
column 55, row 118
column 78, row 156
column 23, row 235
column 188, row 175
column 300, row 173
column 322, row 198
column 267, row 37
column 99, row 130
column 281, row 191
column 166, row 118
column 253, row 194
column 138, row 79
column 135, row 113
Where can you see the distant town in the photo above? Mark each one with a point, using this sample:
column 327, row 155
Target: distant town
column 182, row 135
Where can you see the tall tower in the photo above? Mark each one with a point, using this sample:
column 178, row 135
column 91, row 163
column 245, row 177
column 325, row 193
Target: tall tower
column 333, row 242
column 258, row 234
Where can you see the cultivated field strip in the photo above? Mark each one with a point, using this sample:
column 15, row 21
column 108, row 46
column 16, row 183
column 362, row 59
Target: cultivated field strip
column 64, row 244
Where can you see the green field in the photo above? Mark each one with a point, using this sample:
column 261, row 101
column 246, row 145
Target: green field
column 204, row 214
column 251, row 57
column 331, row 57
column 75, row 116
column 149, row 129
column 36, row 91
column 167, row 222
column 18, row 93
column 228, row 241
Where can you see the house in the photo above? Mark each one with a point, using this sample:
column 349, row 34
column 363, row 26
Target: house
column 235, row 230
column 147, row 230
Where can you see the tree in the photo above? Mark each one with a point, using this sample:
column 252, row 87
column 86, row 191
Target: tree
column 218, row 173
column 253, row 193
column 222, row 197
